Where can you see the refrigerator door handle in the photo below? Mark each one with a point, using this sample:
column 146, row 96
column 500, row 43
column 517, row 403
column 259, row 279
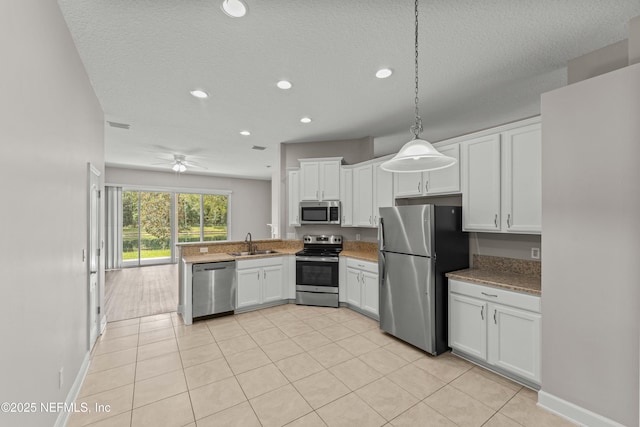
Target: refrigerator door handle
column 381, row 234
column 381, row 266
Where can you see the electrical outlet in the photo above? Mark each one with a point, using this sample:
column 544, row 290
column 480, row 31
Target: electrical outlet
column 535, row 253
column 204, row 250
column 60, row 378
column 357, row 236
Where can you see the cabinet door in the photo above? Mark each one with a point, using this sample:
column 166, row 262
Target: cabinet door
column 514, row 341
column 330, row 180
column 370, row 292
column 363, row 196
column 407, row 184
column 446, row 180
column 467, row 325
column 309, row 181
column 522, row 180
column 481, row 184
column 383, row 191
column 354, row 288
column 294, row 198
column 346, row 196
column 272, row 278
column 249, row 281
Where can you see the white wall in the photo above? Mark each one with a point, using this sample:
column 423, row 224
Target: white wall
column 590, row 245
column 250, row 208
column 51, row 125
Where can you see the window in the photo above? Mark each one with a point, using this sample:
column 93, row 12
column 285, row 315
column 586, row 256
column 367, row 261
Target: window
column 202, row 217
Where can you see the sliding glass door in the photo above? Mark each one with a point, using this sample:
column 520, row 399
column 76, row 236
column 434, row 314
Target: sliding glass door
column 146, row 228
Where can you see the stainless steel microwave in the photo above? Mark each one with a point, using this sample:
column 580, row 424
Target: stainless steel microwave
column 327, row 212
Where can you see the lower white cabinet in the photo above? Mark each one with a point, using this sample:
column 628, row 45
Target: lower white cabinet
column 496, row 326
column 260, row 281
column 362, row 286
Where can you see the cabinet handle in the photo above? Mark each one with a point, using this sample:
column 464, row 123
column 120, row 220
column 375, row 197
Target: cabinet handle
column 344, row 218
column 495, row 220
column 482, row 312
column 494, row 316
column 426, row 186
column 418, row 186
column 370, row 220
column 489, row 295
column 258, row 274
column 317, row 194
column 322, row 194
column 509, row 221
column 264, row 274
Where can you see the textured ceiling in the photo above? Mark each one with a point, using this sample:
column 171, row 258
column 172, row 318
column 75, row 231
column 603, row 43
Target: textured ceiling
column 481, row 64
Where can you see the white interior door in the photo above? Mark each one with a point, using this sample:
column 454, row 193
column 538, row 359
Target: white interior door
column 94, row 256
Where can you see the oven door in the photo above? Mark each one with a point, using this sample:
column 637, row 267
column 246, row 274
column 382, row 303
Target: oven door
column 317, row 272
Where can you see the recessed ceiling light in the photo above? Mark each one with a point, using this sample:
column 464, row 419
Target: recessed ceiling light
column 284, row 84
column 245, row 133
column 305, row 120
column 383, row 73
column 199, row 94
column 234, row 8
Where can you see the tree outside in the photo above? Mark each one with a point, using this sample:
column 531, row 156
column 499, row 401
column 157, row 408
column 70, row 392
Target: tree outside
column 155, row 219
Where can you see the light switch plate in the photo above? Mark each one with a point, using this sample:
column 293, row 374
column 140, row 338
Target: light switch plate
column 535, row 253
column 204, row 250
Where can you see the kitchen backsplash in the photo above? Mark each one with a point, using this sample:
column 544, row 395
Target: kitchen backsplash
column 223, row 247
column 508, row 265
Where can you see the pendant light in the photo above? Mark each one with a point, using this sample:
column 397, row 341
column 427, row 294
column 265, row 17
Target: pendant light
column 417, row 155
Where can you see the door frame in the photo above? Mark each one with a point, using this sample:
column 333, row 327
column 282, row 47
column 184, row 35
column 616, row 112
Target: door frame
column 94, row 249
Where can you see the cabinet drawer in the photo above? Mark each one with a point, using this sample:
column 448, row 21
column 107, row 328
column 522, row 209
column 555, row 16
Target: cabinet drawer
column 371, row 267
column 258, row 262
column 496, row 295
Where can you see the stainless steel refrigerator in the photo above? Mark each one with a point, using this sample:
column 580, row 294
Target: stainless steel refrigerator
column 417, row 245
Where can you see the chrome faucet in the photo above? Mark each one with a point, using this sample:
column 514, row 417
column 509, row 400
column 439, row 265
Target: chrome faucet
column 248, row 241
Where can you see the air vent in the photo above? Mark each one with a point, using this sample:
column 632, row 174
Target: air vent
column 119, row 125
column 258, row 147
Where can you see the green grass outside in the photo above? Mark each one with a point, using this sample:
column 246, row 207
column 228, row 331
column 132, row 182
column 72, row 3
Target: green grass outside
column 131, row 233
column 147, row 253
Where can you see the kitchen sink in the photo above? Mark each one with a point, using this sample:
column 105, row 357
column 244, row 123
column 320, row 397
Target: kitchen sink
column 265, row 252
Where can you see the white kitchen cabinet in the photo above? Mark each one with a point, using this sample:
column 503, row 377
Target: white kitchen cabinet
column 496, row 327
column 522, row 180
column 372, row 189
column 320, row 179
column 382, row 191
column 346, row 196
column 260, row 281
column 294, row 197
column 501, row 181
column 363, row 196
column 481, row 184
column 443, row 181
column 362, row 286
column 467, row 325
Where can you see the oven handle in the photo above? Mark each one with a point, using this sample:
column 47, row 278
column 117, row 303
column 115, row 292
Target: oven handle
column 317, row 259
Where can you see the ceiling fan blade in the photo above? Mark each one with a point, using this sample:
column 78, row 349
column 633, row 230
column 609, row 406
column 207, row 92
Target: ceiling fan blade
column 189, row 163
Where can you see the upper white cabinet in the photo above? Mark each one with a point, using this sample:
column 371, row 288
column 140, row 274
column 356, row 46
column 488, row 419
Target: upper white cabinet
column 320, row 179
column 294, row 197
column 501, row 181
column 481, row 184
column 372, row 189
column 522, row 180
column 346, row 195
column 443, row 181
column 363, row 196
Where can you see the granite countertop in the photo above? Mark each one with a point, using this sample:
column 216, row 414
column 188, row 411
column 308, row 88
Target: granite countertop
column 221, row 257
column 511, row 281
column 360, row 254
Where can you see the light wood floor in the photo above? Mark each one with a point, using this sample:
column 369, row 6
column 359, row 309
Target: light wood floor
column 141, row 291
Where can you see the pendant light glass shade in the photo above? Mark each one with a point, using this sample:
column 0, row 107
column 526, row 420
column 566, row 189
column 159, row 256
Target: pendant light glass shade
column 417, row 155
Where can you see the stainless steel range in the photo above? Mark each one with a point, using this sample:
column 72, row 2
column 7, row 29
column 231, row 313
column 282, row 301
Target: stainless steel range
column 317, row 271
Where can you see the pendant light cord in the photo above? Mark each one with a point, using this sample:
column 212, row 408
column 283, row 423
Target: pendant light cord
column 417, row 127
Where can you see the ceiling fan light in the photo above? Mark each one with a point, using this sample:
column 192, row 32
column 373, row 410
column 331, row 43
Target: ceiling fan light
column 179, row 167
column 234, row 8
column 416, row 156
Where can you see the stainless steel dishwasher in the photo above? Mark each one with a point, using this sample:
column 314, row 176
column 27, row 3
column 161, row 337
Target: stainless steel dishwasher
column 214, row 288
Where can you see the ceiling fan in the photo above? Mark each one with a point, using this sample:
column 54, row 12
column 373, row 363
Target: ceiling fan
column 180, row 164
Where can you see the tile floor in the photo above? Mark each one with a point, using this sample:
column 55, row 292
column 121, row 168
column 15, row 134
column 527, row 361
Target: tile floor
column 289, row 365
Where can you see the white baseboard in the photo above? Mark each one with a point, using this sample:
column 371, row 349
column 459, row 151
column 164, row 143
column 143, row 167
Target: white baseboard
column 63, row 416
column 572, row 412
